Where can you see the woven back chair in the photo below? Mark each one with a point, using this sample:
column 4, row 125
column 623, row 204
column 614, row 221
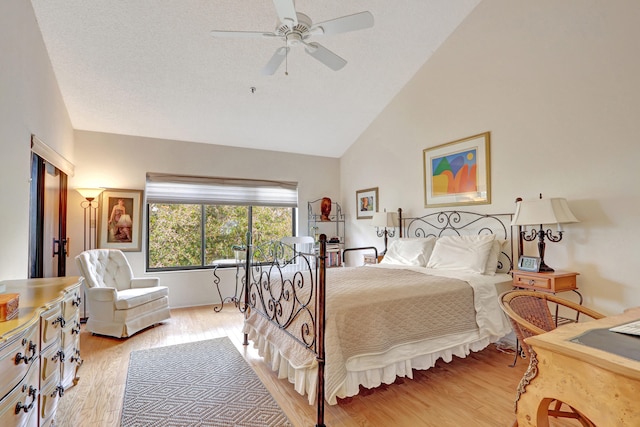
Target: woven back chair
column 530, row 315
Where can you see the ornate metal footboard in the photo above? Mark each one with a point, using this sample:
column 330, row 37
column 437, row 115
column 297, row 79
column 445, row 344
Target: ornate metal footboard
column 287, row 288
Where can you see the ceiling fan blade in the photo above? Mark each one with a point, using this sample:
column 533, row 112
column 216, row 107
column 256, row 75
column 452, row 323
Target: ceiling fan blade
column 275, row 61
column 245, row 34
column 286, row 11
column 358, row 21
column 325, row 56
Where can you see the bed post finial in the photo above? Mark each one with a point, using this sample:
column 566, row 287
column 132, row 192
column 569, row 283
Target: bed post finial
column 400, row 221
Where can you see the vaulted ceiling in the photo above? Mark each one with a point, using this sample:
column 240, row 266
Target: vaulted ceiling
column 151, row 68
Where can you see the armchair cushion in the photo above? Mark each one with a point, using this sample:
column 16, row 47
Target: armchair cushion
column 130, row 298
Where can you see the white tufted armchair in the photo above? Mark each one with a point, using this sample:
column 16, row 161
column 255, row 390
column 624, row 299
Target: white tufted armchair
column 119, row 304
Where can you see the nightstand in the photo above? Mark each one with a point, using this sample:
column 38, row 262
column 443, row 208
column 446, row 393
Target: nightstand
column 371, row 259
column 552, row 281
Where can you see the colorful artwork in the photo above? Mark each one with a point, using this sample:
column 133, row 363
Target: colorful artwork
column 458, row 172
column 455, row 173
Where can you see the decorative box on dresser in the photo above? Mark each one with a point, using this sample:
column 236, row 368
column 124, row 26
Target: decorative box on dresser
column 39, row 350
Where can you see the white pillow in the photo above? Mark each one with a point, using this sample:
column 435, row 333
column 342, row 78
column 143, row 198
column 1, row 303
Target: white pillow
column 498, row 246
column 409, row 251
column 462, row 253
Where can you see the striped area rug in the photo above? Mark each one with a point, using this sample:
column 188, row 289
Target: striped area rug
column 203, row 383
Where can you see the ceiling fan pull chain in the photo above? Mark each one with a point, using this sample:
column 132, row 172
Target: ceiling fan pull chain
column 286, row 58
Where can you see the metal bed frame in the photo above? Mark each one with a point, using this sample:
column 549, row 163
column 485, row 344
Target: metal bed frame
column 300, row 295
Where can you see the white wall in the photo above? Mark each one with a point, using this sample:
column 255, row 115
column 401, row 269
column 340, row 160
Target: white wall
column 30, row 103
column 116, row 161
column 558, row 86
column 556, row 83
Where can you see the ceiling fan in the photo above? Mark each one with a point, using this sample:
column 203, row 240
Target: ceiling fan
column 296, row 28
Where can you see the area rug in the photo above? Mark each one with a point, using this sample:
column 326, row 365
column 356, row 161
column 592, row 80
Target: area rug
column 203, row 383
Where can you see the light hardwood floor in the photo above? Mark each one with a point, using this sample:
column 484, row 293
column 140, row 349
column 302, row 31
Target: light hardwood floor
column 476, row 391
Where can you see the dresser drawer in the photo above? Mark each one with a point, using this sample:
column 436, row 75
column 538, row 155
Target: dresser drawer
column 23, row 399
column 24, row 349
column 49, row 398
column 50, row 362
column 71, row 303
column 52, row 324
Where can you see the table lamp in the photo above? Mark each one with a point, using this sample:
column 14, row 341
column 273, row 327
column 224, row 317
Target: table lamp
column 541, row 212
column 385, row 223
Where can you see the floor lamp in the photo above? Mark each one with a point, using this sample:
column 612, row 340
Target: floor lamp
column 90, row 208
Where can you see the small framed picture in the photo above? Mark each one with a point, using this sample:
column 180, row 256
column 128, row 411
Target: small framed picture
column 366, row 203
column 120, row 220
column 529, row 263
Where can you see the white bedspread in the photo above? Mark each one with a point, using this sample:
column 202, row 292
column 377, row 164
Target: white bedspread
column 371, row 369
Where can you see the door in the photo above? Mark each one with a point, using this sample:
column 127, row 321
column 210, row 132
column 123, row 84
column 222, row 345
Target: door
column 48, row 244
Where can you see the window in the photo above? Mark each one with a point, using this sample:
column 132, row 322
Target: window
column 194, row 222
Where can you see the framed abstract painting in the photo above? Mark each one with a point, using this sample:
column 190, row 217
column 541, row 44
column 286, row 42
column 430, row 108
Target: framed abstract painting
column 458, row 172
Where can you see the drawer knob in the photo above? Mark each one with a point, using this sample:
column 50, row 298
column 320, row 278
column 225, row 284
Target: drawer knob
column 26, row 359
column 60, row 320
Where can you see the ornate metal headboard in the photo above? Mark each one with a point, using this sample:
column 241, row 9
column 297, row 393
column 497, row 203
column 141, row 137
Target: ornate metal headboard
column 454, row 222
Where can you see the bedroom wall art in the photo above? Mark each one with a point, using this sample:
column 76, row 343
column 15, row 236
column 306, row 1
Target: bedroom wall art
column 120, row 220
column 366, row 203
column 458, row 172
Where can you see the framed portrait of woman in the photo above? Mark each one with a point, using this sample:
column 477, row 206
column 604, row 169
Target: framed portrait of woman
column 366, row 203
column 120, row 220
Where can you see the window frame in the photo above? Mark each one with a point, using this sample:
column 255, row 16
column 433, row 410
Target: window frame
column 203, row 265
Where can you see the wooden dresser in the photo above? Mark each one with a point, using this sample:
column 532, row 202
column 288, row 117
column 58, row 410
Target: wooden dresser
column 39, row 350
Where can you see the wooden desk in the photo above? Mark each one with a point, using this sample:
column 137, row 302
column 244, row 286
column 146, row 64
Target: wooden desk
column 601, row 385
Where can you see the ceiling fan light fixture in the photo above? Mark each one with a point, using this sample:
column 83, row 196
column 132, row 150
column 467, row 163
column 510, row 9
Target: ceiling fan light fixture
column 295, row 29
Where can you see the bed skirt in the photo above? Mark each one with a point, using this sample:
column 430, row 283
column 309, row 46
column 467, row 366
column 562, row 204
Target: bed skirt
column 372, row 370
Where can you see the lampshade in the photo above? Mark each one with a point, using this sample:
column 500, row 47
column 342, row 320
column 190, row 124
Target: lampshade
column 385, row 219
column 543, row 211
column 89, row 193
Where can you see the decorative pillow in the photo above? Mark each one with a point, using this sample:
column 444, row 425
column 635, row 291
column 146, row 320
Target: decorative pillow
column 498, row 246
column 462, row 253
column 409, row 251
